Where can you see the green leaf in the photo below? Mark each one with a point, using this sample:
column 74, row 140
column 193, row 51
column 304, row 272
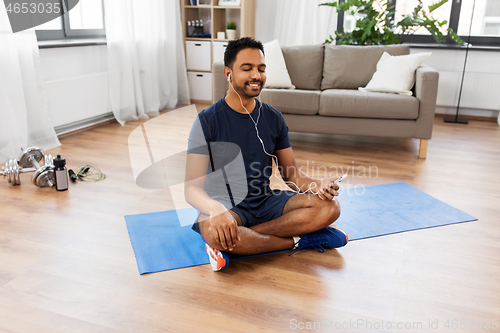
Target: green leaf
column 455, row 37
column 437, row 5
column 331, row 4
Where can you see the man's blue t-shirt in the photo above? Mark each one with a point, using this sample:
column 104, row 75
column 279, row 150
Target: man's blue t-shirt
column 236, row 152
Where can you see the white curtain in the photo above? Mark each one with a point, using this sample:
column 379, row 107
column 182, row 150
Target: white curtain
column 304, row 22
column 24, row 112
column 147, row 71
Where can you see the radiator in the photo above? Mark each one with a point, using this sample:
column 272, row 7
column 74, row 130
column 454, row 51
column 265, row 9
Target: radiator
column 78, row 98
column 480, row 90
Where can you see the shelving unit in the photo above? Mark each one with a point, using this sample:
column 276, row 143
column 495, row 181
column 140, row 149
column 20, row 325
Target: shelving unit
column 201, row 53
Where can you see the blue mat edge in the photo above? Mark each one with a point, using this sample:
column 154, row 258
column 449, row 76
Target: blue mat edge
column 421, row 228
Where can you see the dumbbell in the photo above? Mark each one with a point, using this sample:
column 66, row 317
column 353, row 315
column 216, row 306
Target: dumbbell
column 43, row 175
column 12, row 171
column 29, row 159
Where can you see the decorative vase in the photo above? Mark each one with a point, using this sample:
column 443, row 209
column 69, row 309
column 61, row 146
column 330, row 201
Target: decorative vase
column 230, row 34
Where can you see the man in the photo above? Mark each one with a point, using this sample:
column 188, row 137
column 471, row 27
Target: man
column 230, row 152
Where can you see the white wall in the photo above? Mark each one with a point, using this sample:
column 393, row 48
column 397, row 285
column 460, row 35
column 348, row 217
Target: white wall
column 76, row 82
column 480, row 95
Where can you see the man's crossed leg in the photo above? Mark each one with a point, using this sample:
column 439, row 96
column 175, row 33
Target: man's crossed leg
column 303, row 223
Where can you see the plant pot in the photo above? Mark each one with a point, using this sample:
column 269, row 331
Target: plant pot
column 230, row 34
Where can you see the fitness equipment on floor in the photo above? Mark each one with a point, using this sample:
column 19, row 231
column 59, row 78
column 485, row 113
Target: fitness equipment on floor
column 43, row 176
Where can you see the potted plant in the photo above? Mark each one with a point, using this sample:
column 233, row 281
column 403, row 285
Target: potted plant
column 231, row 30
column 377, row 25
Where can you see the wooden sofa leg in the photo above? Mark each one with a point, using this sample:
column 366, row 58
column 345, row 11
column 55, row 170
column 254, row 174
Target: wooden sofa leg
column 422, row 151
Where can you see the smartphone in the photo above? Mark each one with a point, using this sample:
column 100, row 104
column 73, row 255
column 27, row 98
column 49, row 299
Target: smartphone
column 340, row 179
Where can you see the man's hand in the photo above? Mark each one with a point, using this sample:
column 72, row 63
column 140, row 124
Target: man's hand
column 328, row 189
column 224, row 227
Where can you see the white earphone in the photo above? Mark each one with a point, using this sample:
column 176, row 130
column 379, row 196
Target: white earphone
column 229, row 77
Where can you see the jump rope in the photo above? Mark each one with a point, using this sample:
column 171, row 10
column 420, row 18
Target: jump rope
column 312, row 185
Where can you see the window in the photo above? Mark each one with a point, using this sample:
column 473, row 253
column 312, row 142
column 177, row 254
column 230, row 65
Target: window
column 406, row 7
column 485, row 29
column 486, row 19
column 85, row 20
column 87, row 14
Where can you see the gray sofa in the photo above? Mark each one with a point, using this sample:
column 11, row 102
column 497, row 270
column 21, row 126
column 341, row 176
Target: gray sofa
column 326, row 99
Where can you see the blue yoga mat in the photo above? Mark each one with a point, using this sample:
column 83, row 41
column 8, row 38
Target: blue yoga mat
column 160, row 243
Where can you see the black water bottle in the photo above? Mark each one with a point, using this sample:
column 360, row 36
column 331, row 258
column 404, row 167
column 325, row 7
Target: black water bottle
column 61, row 173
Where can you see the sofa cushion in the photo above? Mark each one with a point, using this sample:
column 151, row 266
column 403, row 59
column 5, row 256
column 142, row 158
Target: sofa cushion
column 277, row 73
column 305, row 65
column 396, row 74
column 360, row 104
column 304, row 102
column 350, row 67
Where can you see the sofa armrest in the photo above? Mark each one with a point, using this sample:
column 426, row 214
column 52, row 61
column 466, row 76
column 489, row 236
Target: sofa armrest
column 426, row 87
column 219, row 81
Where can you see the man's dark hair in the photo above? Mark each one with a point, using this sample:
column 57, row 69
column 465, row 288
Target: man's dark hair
column 235, row 46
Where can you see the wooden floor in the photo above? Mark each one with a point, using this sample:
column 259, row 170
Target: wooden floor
column 67, row 265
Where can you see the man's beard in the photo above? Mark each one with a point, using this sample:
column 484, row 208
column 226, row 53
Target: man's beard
column 247, row 91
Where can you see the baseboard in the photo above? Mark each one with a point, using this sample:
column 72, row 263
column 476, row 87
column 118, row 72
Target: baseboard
column 85, row 123
column 480, row 118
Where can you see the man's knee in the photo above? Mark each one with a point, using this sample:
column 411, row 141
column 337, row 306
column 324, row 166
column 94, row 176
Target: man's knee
column 207, row 233
column 336, row 210
column 331, row 210
column 208, row 236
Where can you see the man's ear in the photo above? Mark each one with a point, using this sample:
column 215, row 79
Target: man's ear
column 227, row 73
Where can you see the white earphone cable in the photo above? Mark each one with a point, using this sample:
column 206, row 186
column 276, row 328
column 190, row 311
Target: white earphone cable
column 312, row 185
